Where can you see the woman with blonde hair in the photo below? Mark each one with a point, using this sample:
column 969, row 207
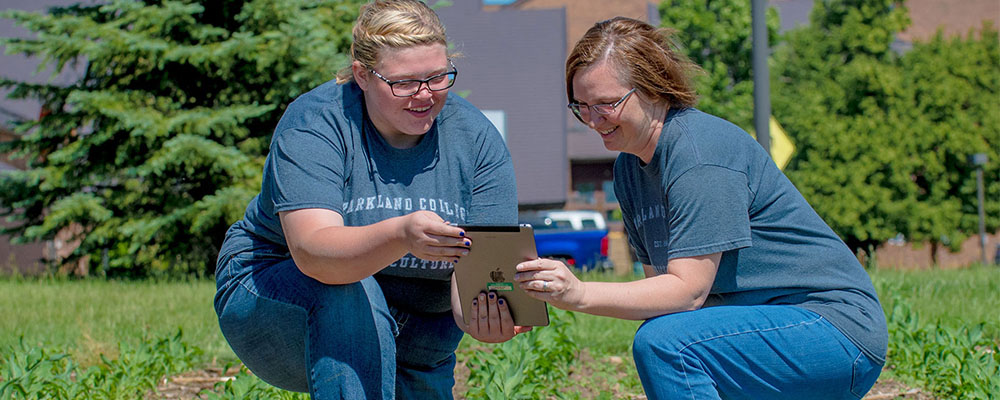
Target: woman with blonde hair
column 338, row 279
column 748, row 294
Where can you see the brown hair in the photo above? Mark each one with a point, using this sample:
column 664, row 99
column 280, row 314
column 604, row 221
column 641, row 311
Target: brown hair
column 391, row 24
column 646, row 57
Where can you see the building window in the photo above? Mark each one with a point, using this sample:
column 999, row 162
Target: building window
column 499, row 120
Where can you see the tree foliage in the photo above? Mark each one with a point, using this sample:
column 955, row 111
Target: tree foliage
column 882, row 139
column 159, row 147
column 718, row 36
column 952, row 95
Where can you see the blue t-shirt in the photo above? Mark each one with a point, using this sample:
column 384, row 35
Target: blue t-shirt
column 326, row 154
column 711, row 188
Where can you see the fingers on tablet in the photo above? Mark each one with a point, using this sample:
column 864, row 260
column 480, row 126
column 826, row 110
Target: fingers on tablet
column 506, row 320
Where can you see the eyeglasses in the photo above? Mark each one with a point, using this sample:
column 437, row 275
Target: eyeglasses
column 410, row 87
column 604, row 109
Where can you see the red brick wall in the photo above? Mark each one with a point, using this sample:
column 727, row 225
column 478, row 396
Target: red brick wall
column 918, row 256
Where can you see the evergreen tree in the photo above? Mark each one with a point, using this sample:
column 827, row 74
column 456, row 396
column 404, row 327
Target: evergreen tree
column 152, row 154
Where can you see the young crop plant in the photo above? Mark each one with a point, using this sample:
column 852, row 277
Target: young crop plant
column 530, row 366
column 952, row 362
column 28, row 372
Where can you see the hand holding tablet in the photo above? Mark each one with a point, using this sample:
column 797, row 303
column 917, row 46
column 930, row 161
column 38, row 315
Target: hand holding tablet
column 490, row 267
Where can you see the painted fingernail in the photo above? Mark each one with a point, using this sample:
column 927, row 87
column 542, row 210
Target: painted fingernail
column 456, row 260
column 468, row 243
column 462, row 234
column 475, row 302
column 500, row 302
column 492, row 295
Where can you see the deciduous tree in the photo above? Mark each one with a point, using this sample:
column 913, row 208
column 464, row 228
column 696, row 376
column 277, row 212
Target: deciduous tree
column 882, row 139
column 717, row 36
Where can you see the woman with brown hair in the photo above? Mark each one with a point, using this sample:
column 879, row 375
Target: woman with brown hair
column 748, row 294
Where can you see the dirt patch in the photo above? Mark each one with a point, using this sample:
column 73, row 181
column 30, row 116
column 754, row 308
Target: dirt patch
column 886, row 389
column 583, row 379
column 187, row 385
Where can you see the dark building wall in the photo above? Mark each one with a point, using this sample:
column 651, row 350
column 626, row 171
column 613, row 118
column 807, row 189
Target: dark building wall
column 21, row 68
column 513, row 61
column 25, row 259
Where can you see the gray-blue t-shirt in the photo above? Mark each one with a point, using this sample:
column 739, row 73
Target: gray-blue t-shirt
column 326, row 154
column 710, row 188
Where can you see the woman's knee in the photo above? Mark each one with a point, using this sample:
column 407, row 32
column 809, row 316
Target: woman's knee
column 656, row 335
column 270, row 328
column 268, row 337
column 655, row 345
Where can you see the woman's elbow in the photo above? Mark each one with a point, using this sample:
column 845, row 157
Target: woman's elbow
column 698, row 301
column 325, row 273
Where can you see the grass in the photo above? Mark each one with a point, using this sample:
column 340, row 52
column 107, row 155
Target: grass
column 952, row 297
column 92, row 321
column 86, row 318
column 602, row 335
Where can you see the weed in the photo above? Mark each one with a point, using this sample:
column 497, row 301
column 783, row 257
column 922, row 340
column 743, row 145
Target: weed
column 28, row 372
column 530, row 366
column 952, row 362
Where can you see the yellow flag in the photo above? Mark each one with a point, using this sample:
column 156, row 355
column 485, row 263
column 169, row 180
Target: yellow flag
column 781, row 146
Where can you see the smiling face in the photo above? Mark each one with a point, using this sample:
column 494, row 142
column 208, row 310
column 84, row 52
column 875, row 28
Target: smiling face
column 634, row 127
column 402, row 121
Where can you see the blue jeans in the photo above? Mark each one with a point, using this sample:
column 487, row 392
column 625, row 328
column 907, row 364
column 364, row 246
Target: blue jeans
column 750, row 352
column 333, row 341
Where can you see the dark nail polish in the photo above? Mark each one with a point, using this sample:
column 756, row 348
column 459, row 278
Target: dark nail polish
column 500, row 302
column 462, row 234
column 467, row 243
column 492, row 296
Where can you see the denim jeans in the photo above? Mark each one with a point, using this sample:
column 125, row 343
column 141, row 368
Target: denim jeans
column 750, row 352
column 333, row 341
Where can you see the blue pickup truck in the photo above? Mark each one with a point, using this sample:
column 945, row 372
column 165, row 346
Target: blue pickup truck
column 579, row 238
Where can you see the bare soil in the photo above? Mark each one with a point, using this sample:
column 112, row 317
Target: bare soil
column 187, row 385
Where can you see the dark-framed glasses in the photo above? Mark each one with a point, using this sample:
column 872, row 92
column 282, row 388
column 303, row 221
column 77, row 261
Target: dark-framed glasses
column 582, row 111
column 410, row 87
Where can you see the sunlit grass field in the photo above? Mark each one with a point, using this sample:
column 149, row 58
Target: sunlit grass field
column 87, row 317
column 90, row 318
column 954, row 297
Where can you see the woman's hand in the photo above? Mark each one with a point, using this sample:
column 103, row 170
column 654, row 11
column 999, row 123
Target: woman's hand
column 490, row 320
column 429, row 237
column 550, row 281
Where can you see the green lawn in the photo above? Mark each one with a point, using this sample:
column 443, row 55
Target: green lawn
column 955, row 297
column 87, row 318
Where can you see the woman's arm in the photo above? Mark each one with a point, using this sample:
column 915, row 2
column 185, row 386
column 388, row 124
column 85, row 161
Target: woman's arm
column 326, row 250
column 684, row 287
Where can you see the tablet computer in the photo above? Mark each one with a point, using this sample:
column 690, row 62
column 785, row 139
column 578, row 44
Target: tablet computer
column 491, row 265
